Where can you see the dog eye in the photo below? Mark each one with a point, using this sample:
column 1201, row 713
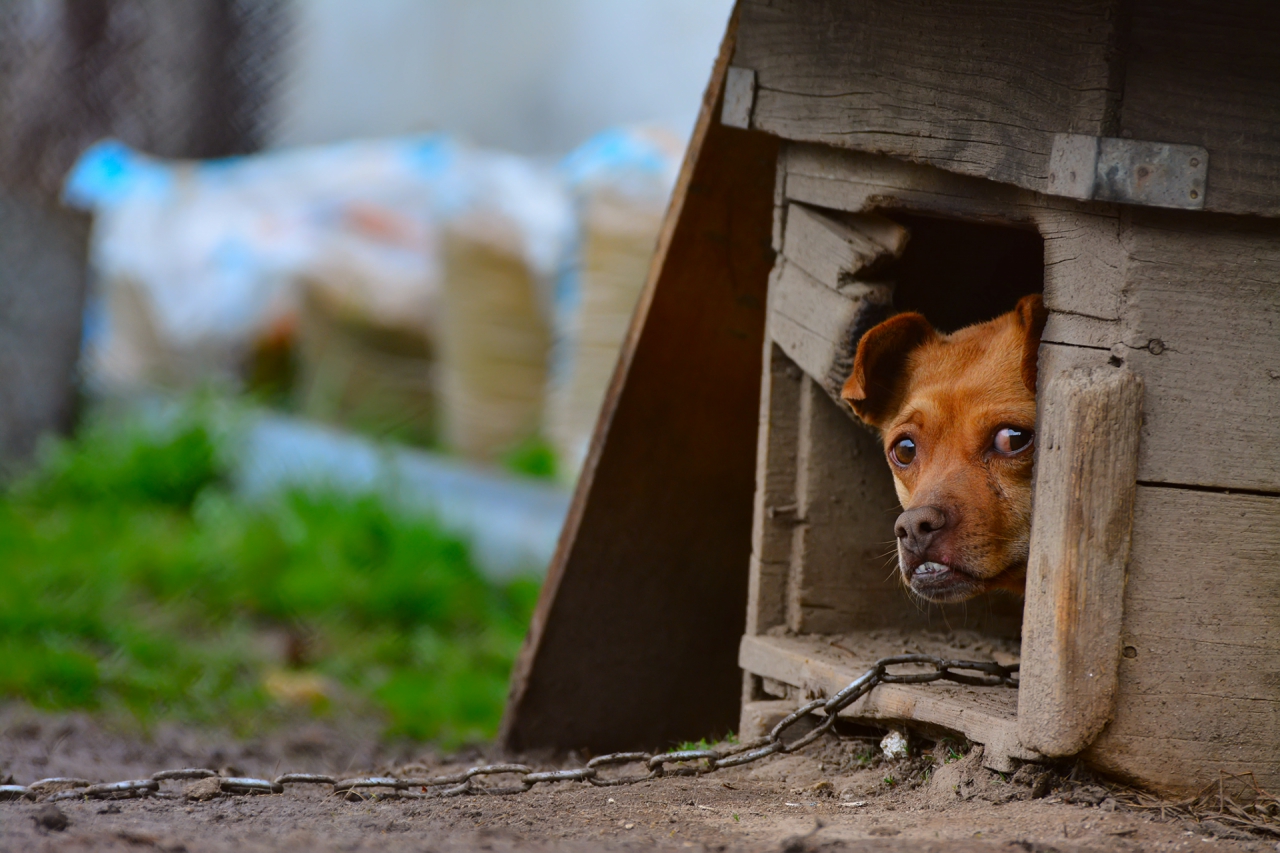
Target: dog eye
column 1011, row 441
column 903, row 451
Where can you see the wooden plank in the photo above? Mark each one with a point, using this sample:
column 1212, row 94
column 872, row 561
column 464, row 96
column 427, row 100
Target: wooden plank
column 774, row 508
column 843, row 567
column 1086, row 472
column 1201, row 325
column 647, row 592
column 978, row 90
column 1203, row 318
column 815, row 324
column 821, row 666
column 1199, row 688
column 1206, row 74
column 834, row 251
column 760, row 716
column 818, row 309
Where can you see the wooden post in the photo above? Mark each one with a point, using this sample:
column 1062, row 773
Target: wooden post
column 1086, row 477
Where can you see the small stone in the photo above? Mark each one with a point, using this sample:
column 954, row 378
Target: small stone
column 50, row 818
column 204, row 789
column 894, row 745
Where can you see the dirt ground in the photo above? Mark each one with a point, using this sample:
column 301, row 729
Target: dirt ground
column 835, row 796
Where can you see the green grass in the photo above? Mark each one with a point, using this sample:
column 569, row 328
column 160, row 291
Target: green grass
column 532, row 457
column 131, row 579
column 704, row 744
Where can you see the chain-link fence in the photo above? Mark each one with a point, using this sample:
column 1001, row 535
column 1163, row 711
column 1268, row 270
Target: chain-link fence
column 177, row 78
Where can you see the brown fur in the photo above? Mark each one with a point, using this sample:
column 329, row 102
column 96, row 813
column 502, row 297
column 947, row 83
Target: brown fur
column 950, row 395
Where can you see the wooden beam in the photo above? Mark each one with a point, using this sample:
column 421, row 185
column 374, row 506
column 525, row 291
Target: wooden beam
column 1198, row 691
column 818, row 309
column 1086, row 474
column 634, row 639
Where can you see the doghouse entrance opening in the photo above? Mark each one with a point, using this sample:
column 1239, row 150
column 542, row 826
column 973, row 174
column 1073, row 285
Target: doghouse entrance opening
column 958, row 273
column 826, row 598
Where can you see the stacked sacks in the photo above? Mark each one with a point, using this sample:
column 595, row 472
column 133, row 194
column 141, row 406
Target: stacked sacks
column 506, row 224
column 201, row 266
column 412, row 286
column 620, row 180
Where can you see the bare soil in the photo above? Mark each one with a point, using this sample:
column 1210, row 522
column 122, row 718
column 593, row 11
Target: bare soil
column 826, row 799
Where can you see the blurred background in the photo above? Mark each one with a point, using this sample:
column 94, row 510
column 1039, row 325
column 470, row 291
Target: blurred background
column 307, row 309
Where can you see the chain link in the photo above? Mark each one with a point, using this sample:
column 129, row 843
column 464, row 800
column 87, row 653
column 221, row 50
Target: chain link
column 689, row 762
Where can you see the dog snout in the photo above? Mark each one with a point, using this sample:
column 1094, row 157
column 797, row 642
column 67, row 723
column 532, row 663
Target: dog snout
column 917, row 527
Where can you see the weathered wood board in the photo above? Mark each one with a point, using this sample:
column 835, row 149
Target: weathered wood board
column 934, row 83
column 652, row 561
column 774, row 508
column 843, row 560
column 821, row 666
column 982, row 90
column 1205, row 74
column 835, row 250
column 814, row 323
column 1086, row 472
column 1199, row 687
column 1201, row 326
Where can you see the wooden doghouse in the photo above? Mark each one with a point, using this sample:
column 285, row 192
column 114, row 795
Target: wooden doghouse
column 855, row 158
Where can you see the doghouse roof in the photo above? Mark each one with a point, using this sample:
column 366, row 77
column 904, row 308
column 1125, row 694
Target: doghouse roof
column 1170, row 104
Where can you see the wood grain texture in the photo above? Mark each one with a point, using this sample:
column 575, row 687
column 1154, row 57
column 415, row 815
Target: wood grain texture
column 774, row 507
column 975, row 89
column 981, row 90
column 1203, row 329
column 1204, row 73
column 834, row 251
column 1199, row 688
column 816, row 668
column 1087, row 431
column 1200, row 322
column 842, row 572
column 815, row 324
column 647, row 591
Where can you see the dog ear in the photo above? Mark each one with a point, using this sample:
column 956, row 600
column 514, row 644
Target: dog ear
column 1032, row 316
column 877, row 367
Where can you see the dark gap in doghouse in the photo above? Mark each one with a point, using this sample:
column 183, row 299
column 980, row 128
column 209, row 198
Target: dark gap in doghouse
column 957, row 273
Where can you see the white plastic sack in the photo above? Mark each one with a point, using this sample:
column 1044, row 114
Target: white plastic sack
column 621, row 180
column 205, row 256
column 506, row 223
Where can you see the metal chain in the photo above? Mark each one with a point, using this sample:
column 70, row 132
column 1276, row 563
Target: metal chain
column 688, row 762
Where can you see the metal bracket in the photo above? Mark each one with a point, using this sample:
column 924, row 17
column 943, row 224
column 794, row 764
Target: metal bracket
column 1101, row 168
column 739, row 97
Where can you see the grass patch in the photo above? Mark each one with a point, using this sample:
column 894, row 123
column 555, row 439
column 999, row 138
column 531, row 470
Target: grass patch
column 134, row 580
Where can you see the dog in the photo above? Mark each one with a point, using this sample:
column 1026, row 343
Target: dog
column 956, row 413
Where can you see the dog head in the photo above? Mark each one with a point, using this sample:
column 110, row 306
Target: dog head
column 957, row 416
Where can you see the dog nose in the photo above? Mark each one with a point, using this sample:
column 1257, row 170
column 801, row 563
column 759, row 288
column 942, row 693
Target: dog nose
column 916, row 527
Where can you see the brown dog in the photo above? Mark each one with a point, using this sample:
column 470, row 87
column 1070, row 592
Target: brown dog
column 957, row 414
